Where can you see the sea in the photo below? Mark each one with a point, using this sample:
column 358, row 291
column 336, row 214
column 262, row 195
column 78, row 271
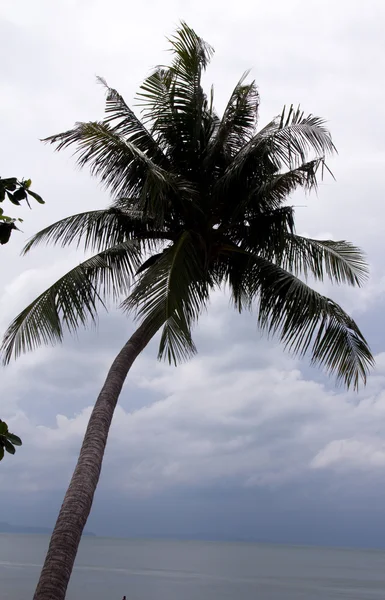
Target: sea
column 108, row 569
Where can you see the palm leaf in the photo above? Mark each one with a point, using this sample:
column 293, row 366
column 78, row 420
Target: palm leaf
column 121, row 165
column 239, row 120
column 73, row 300
column 173, row 101
column 340, row 261
column 191, row 57
column 155, row 99
column 268, row 193
column 126, row 124
column 302, row 318
column 291, row 141
column 149, row 262
column 157, row 105
column 124, row 169
column 233, row 270
column 283, row 146
column 190, row 51
column 271, row 235
column 274, row 190
column 171, row 294
column 100, row 229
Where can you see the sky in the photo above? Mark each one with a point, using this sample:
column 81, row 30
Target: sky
column 243, row 441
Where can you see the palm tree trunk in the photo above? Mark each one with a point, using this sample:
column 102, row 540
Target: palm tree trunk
column 77, row 502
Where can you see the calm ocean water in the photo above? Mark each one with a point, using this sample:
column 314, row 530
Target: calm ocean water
column 166, row 570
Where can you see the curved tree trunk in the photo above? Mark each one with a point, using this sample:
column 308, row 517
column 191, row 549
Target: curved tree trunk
column 77, row 502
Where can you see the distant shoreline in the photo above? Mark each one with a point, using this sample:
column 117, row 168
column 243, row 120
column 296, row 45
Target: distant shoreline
column 46, row 531
column 6, row 528
column 24, row 529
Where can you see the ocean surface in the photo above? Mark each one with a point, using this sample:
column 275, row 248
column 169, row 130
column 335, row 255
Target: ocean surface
column 106, row 569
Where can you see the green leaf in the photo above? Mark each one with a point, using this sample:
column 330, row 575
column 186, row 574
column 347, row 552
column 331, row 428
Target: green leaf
column 9, row 447
column 6, row 227
column 1, row 451
column 27, row 183
column 12, row 198
column 9, row 184
column 38, row 198
column 20, row 194
column 16, row 441
column 3, row 428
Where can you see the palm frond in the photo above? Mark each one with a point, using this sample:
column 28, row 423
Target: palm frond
column 100, row 229
column 274, row 190
column 172, row 293
column 303, row 319
column 272, row 236
column 268, row 193
column 340, row 261
column 173, row 101
column 291, row 140
column 190, row 51
column 125, row 123
column 123, row 168
column 154, row 97
column 210, row 122
column 73, row 300
column 239, row 120
column 233, row 271
column 149, row 262
column 281, row 146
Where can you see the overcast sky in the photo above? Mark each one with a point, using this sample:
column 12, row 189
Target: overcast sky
column 242, row 441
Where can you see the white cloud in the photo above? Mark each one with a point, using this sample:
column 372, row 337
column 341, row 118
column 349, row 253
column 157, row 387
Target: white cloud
column 351, row 453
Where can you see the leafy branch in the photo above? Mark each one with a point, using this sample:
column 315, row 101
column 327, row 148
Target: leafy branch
column 8, row 440
column 16, row 192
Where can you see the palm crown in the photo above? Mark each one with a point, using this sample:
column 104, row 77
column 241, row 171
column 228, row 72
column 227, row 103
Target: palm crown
column 200, row 202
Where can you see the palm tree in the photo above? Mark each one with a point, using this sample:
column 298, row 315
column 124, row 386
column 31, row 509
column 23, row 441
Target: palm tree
column 200, row 202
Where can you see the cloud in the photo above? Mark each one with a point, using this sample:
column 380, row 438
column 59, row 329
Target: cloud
column 350, row 453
